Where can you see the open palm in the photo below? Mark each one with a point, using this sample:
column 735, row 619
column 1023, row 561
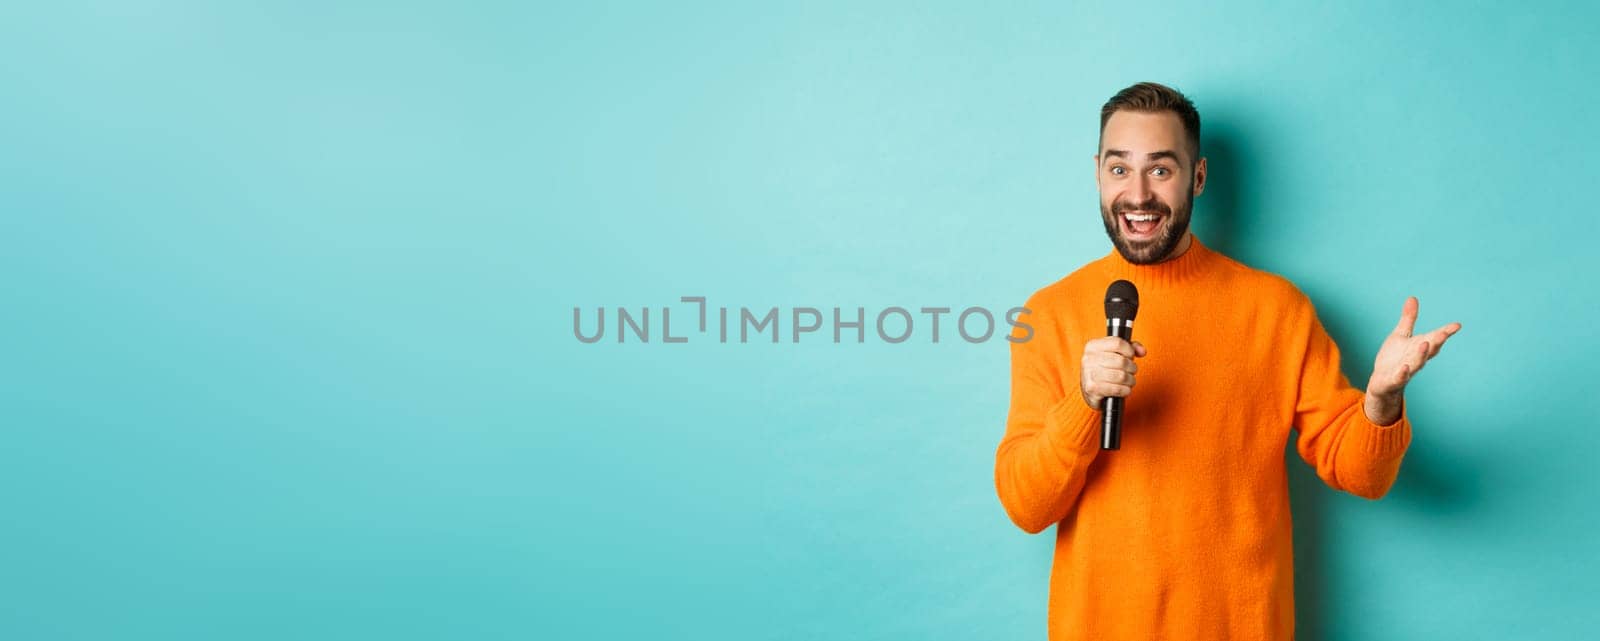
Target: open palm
column 1404, row 353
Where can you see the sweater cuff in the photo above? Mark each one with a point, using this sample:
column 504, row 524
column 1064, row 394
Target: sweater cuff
column 1070, row 427
column 1383, row 441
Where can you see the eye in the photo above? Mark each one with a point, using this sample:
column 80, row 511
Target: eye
column 1118, row 170
column 1160, row 171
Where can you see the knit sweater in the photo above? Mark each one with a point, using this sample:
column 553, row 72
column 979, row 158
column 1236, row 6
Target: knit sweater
column 1184, row 532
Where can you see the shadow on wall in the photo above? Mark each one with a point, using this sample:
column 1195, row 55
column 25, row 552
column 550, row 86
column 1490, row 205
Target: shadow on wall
column 1226, row 217
column 1434, row 481
column 1229, row 217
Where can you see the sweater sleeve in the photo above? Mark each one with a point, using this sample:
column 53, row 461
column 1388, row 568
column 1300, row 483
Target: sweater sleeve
column 1050, row 436
column 1349, row 452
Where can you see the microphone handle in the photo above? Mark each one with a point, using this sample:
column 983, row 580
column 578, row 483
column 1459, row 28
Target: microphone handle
column 1111, row 406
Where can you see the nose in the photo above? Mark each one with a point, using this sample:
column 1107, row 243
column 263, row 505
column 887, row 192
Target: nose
column 1139, row 190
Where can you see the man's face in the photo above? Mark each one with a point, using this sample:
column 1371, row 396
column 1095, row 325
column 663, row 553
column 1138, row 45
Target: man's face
column 1148, row 181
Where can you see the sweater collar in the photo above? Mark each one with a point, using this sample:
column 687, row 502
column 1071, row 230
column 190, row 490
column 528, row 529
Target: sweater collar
column 1184, row 268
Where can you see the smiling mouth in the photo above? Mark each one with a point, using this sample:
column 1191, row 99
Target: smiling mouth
column 1141, row 224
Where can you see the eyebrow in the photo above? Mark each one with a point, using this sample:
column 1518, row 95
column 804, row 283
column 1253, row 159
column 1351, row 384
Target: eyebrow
column 1164, row 153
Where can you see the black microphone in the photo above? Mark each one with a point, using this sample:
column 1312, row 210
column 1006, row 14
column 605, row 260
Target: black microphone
column 1122, row 304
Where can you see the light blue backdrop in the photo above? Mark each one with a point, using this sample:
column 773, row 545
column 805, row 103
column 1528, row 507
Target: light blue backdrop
column 288, row 291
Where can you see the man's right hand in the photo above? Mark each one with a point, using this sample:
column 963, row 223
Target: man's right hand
column 1108, row 369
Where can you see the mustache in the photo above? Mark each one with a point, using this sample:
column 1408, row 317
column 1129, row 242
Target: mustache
column 1152, row 204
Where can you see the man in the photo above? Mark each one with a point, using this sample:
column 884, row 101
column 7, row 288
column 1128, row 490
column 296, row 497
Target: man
column 1184, row 532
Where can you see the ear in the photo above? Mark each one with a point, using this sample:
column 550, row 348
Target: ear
column 1200, row 177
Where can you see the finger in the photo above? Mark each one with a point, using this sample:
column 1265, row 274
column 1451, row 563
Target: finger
column 1408, row 317
column 1437, row 345
column 1116, row 376
column 1404, row 376
column 1111, row 389
column 1117, row 362
column 1111, row 344
column 1437, row 336
column 1139, row 349
column 1415, row 364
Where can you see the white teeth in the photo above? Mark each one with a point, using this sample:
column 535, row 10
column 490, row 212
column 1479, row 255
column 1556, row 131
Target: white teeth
column 1140, row 218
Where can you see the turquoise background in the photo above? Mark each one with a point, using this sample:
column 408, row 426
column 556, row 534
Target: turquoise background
column 288, row 296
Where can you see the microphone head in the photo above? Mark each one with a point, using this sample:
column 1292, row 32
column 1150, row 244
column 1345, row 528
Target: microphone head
column 1122, row 300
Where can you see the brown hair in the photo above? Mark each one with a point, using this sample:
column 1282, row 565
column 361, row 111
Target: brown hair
column 1152, row 97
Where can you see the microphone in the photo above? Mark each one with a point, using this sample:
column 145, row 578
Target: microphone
column 1122, row 304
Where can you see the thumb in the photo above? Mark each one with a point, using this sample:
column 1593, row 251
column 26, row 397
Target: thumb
column 1408, row 317
column 1138, row 348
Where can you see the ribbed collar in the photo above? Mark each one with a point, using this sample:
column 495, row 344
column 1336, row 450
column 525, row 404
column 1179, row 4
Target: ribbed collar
column 1194, row 262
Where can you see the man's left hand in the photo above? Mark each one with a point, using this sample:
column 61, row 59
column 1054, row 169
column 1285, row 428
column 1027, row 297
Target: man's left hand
column 1400, row 358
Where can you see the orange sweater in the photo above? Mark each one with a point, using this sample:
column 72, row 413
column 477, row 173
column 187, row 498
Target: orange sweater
column 1184, row 533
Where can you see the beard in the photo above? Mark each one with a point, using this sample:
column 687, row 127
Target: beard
column 1146, row 252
